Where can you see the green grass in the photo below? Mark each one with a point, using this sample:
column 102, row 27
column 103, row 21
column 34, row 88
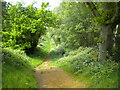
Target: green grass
column 84, row 79
column 17, row 70
column 38, row 57
column 77, row 64
column 84, row 67
column 111, row 82
column 18, row 78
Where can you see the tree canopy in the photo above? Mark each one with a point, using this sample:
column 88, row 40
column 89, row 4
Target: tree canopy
column 88, row 24
column 23, row 26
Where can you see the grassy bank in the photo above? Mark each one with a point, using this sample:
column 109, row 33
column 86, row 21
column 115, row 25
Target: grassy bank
column 84, row 66
column 18, row 68
column 38, row 56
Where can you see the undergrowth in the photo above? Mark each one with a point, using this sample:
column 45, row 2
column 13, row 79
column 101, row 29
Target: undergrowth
column 38, row 56
column 18, row 68
column 17, row 71
column 85, row 67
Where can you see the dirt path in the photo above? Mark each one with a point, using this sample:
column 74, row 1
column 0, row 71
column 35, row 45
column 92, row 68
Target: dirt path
column 53, row 77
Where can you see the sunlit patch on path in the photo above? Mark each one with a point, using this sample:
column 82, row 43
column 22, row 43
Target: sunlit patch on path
column 53, row 77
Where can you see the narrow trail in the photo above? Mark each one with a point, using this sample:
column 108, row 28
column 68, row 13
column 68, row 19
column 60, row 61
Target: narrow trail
column 53, row 77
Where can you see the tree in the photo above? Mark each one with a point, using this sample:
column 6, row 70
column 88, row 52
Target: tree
column 6, row 23
column 107, row 20
column 28, row 24
column 75, row 26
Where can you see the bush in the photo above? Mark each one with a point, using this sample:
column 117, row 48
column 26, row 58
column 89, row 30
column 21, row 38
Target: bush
column 17, row 70
column 84, row 60
column 15, row 58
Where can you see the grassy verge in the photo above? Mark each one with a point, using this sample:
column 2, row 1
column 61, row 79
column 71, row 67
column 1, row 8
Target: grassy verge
column 17, row 71
column 85, row 67
column 18, row 68
column 38, row 57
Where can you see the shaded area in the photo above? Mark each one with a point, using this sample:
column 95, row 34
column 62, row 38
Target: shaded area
column 39, row 52
column 38, row 56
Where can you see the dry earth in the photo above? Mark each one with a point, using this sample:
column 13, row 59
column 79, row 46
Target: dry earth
column 53, row 77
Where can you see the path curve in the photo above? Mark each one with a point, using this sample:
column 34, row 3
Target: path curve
column 53, row 77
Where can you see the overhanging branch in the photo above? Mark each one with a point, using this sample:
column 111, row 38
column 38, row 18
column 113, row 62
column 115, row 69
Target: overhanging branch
column 116, row 18
column 93, row 9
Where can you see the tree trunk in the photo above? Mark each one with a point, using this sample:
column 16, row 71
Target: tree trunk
column 106, row 32
column 106, row 45
column 32, row 48
column 110, row 41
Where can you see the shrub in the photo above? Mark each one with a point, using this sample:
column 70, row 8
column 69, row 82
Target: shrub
column 84, row 60
column 17, row 70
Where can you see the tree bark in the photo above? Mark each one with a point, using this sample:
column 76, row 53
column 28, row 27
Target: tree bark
column 106, row 32
column 105, row 47
column 110, row 40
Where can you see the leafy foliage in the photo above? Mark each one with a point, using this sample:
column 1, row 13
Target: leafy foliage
column 16, row 64
column 73, row 40
column 84, row 61
column 75, row 27
column 26, row 25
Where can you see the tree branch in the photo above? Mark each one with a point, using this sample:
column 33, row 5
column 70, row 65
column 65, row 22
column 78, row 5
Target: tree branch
column 93, row 9
column 116, row 18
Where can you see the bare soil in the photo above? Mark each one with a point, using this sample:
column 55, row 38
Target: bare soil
column 53, row 77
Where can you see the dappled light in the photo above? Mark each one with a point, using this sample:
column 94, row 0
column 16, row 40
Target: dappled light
column 75, row 45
